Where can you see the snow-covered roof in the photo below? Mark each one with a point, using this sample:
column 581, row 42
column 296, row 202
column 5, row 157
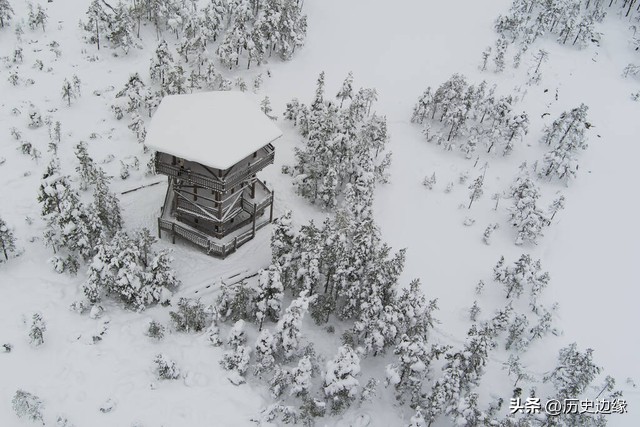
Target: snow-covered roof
column 216, row 129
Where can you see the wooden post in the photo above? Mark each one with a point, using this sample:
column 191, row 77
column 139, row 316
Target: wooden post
column 271, row 207
column 254, row 220
column 235, row 243
column 253, row 187
column 173, row 233
column 159, row 230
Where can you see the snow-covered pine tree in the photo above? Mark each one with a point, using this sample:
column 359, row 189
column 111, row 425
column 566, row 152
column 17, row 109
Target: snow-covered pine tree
column 525, row 215
column 86, row 169
column 371, row 300
column 191, row 315
column 340, row 381
column 301, row 377
column 417, row 420
column 70, row 225
column 37, row 17
column 165, row 368
column 6, row 12
column 120, row 31
column 500, row 51
column 175, row 81
column 27, row 405
column 269, row 295
column 212, row 18
column 526, row 273
column 575, row 371
column 237, row 335
column 282, row 238
column 516, row 126
column 342, row 145
column 462, row 371
column 476, row 190
column 106, row 205
column 516, row 370
column 416, row 312
column 280, row 381
column 128, row 268
column 7, row 240
column 235, row 302
column 161, row 63
column 133, row 92
column 516, row 338
column 567, row 137
column 68, row 92
column 97, row 22
column 423, row 107
column 306, row 260
column 265, row 106
column 468, row 414
column 288, row 334
column 346, row 91
column 264, row 350
column 410, row 370
column 137, row 127
column 37, row 330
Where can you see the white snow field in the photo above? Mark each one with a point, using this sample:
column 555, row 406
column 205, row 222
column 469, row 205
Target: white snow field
column 399, row 48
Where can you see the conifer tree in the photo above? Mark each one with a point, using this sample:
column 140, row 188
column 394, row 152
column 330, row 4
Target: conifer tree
column 161, row 63
column 6, row 12
column 106, row 205
column 301, row 377
column 476, row 190
column 265, row 351
column 575, row 371
column 346, row 91
column 27, row 405
column 7, row 240
column 416, row 311
column 98, row 20
column 412, row 367
column 282, row 239
column 567, row 137
column 68, row 92
column 120, row 31
column 133, row 92
column 288, row 334
column 526, row 273
column 556, row 206
column 87, row 169
column 37, row 330
column 340, row 381
column 525, row 214
column 128, row 268
column 269, row 295
column 37, row 17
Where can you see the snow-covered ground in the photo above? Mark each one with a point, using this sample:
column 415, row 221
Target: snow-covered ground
column 399, row 48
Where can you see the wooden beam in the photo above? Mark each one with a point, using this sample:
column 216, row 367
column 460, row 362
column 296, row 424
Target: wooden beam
column 254, row 220
column 271, row 207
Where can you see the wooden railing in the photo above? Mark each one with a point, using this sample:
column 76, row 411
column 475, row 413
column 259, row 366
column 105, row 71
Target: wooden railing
column 204, row 241
column 240, row 175
column 214, row 183
column 195, row 178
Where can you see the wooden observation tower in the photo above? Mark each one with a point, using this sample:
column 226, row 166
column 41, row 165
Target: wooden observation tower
column 211, row 145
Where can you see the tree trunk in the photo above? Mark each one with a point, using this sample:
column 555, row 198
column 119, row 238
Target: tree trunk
column 97, row 34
